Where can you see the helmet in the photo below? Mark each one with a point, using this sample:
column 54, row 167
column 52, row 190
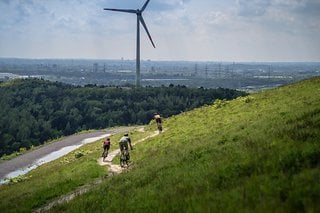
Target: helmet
column 126, row 134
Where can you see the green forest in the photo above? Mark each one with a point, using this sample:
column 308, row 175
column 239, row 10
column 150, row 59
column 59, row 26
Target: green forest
column 34, row 111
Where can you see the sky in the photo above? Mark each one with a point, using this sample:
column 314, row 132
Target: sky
column 193, row 30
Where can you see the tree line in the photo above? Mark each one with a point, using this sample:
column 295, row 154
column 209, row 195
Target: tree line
column 34, row 111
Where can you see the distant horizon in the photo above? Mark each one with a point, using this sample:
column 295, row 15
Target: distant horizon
column 156, row 60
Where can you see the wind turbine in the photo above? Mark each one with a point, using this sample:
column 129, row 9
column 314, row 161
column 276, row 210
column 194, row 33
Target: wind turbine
column 138, row 12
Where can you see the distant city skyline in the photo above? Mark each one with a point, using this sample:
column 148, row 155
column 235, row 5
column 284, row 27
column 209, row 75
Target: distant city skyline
column 191, row 30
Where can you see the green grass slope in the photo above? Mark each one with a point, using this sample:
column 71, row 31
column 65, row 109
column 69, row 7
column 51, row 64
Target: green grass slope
column 259, row 153
column 54, row 179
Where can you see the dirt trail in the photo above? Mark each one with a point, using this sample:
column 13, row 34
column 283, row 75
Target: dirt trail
column 113, row 169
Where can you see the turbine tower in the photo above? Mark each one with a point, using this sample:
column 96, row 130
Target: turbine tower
column 138, row 12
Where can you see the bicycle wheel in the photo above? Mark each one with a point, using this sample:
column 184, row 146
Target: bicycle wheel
column 122, row 159
column 104, row 155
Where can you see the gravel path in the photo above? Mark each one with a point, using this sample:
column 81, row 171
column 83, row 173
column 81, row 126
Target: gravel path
column 28, row 158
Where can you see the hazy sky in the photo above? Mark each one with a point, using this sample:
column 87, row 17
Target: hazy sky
column 210, row 30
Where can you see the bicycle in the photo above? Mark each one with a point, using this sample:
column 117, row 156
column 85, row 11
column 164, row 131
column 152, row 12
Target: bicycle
column 159, row 125
column 104, row 154
column 124, row 158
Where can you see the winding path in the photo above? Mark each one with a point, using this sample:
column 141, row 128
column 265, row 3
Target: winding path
column 113, row 169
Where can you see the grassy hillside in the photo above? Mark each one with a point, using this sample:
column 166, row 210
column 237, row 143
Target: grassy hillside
column 256, row 153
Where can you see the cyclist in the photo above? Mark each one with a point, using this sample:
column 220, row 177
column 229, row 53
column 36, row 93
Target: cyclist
column 123, row 145
column 158, row 119
column 124, row 141
column 106, row 146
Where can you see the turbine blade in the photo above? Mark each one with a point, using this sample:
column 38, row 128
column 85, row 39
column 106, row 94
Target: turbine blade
column 145, row 5
column 121, row 10
column 145, row 27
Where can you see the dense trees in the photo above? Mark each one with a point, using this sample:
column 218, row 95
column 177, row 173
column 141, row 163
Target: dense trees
column 34, row 111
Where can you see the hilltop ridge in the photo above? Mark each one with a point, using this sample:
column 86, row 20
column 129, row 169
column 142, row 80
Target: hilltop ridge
column 35, row 111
